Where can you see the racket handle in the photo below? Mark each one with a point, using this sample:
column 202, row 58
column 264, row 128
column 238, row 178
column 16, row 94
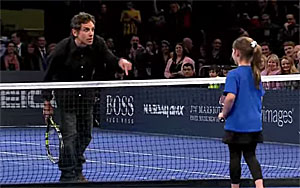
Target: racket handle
column 222, row 120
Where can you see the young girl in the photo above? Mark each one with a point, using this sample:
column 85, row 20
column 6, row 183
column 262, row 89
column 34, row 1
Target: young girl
column 242, row 110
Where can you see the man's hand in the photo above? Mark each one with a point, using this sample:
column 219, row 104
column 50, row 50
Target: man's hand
column 48, row 110
column 125, row 65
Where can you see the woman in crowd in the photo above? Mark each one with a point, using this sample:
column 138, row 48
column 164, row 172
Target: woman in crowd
column 161, row 59
column 10, row 60
column 31, row 60
column 175, row 64
column 263, row 63
column 288, row 67
column 272, row 68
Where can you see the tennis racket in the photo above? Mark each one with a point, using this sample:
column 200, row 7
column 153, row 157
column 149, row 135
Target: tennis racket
column 53, row 139
column 221, row 102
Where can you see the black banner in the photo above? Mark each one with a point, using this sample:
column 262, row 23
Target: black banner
column 167, row 110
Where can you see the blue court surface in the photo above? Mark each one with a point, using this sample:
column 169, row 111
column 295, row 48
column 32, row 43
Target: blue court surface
column 115, row 156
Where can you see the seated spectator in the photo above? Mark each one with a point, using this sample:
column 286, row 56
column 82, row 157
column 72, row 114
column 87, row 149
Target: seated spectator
column 269, row 30
column 111, row 45
column 42, row 52
column 273, row 68
column 31, row 60
column 10, row 61
column 224, row 71
column 288, row 48
column 290, row 30
column 143, row 61
column 175, row 64
column 265, row 48
column 150, row 52
column 161, row 59
column 201, row 61
column 263, row 64
column 111, row 73
column 288, row 67
column 20, row 47
column 296, row 60
column 188, row 71
column 140, row 65
column 216, row 55
column 190, row 49
column 131, row 55
column 213, row 73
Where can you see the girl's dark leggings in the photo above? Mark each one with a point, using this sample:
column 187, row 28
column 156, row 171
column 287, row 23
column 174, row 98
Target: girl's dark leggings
column 248, row 151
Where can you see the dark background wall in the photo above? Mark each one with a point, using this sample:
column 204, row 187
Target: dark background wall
column 217, row 18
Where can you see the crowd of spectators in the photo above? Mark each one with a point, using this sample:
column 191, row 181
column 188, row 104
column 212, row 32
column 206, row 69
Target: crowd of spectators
column 169, row 43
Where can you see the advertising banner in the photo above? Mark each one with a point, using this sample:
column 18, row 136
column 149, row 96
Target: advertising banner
column 164, row 110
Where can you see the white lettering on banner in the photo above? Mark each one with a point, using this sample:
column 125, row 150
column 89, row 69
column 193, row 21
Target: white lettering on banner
column 119, row 109
column 204, row 118
column 204, row 113
column 205, row 109
column 22, row 99
column 167, row 110
column 279, row 116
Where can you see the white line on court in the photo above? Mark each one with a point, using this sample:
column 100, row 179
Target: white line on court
column 158, row 155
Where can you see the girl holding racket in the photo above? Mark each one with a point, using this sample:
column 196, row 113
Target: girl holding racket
column 242, row 110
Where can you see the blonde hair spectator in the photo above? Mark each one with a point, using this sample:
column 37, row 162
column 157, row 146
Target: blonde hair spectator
column 263, row 64
column 287, row 65
column 273, row 66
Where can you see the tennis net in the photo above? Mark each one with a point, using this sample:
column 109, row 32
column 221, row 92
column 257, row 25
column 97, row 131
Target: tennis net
column 146, row 130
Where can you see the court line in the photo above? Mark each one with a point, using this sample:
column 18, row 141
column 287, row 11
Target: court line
column 44, row 166
column 187, row 158
column 23, row 143
column 159, row 155
column 88, row 171
column 158, row 168
column 123, row 164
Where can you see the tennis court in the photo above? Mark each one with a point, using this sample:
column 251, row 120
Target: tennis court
column 159, row 140
column 123, row 156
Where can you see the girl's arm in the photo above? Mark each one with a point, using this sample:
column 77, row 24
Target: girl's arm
column 228, row 103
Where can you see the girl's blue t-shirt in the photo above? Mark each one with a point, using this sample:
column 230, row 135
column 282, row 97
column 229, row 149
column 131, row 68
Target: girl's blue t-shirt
column 245, row 115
